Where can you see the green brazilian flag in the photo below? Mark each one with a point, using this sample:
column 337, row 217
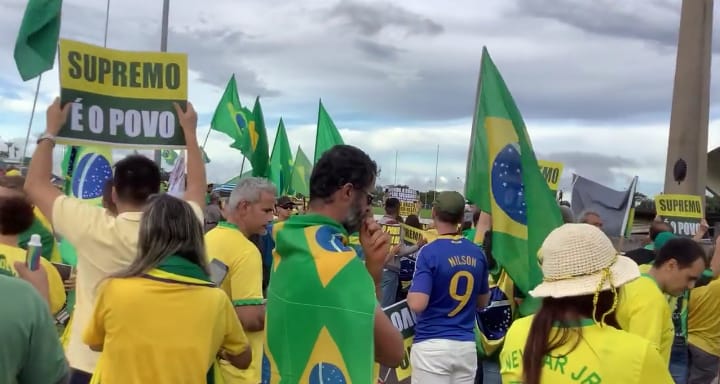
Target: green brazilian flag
column 327, row 134
column 320, row 306
column 504, row 179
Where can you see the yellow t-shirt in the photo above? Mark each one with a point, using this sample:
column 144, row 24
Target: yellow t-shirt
column 9, row 255
column 105, row 245
column 603, row 355
column 243, row 285
column 643, row 310
column 161, row 332
column 703, row 319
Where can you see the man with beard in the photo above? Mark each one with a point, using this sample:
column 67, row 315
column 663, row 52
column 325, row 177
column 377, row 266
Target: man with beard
column 323, row 317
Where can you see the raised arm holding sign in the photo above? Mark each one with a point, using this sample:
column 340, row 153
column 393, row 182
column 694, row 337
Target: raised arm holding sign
column 122, row 98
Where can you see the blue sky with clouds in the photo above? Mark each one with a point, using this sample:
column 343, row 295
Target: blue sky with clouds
column 593, row 79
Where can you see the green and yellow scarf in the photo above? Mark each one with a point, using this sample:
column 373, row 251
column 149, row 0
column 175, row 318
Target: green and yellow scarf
column 177, row 270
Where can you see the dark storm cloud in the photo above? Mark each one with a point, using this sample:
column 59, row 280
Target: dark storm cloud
column 651, row 20
column 217, row 53
column 370, row 19
column 377, row 51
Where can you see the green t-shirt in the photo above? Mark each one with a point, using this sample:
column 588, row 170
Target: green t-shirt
column 30, row 351
column 469, row 234
column 46, row 238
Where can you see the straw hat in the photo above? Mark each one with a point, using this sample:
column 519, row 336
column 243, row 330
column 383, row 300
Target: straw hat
column 579, row 259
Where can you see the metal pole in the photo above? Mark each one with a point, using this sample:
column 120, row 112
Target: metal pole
column 163, row 48
column 437, row 161
column 242, row 167
column 107, row 22
column 206, row 137
column 396, row 161
column 32, row 114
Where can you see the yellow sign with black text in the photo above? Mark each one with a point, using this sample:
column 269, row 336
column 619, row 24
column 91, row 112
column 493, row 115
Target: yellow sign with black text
column 122, row 98
column 394, row 231
column 411, row 235
column 682, row 212
column 552, row 171
column 404, row 320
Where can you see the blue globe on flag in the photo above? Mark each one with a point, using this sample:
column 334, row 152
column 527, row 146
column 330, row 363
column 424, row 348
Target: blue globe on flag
column 326, row 373
column 508, row 190
column 240, row 120
column 495, row 320
column 90, row 175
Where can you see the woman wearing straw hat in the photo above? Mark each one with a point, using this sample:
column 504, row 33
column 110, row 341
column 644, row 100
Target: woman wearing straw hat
column 574, row 337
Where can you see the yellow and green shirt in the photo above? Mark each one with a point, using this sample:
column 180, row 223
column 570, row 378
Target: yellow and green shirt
column 643, row 310
column 155, row 330
column 9, row 255
column 243, row 285
column 602, row 355
column 703, row 319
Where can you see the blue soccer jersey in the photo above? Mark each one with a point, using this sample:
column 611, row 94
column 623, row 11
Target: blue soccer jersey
column 453, row 272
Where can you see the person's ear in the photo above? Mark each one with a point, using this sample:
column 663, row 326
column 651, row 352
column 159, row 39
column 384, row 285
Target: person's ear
column 114, row 196
column 346, row 191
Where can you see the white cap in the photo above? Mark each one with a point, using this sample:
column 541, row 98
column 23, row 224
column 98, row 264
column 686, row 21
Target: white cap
column 35, row 240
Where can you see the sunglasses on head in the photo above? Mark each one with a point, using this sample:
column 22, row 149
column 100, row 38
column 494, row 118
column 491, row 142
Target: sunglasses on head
column 286, row 206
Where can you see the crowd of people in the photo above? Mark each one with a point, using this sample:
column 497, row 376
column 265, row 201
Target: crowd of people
column 181, row 290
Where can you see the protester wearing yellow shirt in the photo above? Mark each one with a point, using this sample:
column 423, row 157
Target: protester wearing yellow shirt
column 643, row 308
column 40, row 224
column 104, row 244
column 16, row 216
column 704, row 327
column 161, row 320
column 574, row 337
column 249, row 210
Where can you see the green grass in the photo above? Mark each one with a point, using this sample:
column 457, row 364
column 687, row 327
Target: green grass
column 424, row 213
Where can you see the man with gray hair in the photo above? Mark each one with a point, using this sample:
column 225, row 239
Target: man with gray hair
column 590, row 217
column 249, row 210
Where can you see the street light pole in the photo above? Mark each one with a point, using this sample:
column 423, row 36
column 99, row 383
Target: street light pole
column 163, row 48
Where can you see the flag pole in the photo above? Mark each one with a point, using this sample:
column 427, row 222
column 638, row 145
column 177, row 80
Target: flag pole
column 396, row 162
column 206, row 137
column 107, row 23
column 32, row 114
column 163, row 48
column 437, row 161
column 242, row 166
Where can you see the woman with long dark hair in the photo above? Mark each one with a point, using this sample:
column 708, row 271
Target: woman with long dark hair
column 162, row 320
column 574, row 337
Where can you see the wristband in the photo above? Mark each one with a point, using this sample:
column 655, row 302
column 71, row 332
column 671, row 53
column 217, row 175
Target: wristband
column 46, row 136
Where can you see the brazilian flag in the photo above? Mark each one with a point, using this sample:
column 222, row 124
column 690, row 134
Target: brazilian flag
column 320, row 306
column 504, row 178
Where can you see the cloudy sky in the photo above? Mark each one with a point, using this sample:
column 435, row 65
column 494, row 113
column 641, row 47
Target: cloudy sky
column 592, row 78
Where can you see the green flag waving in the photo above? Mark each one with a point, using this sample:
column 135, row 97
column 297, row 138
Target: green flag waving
column 281, row 161
column 503, row 177
column 328, row 135
column 320, row 306
column 255, row 144
column 170, row 156
column 300, row 177
column 230, row 117
column 37, row 39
